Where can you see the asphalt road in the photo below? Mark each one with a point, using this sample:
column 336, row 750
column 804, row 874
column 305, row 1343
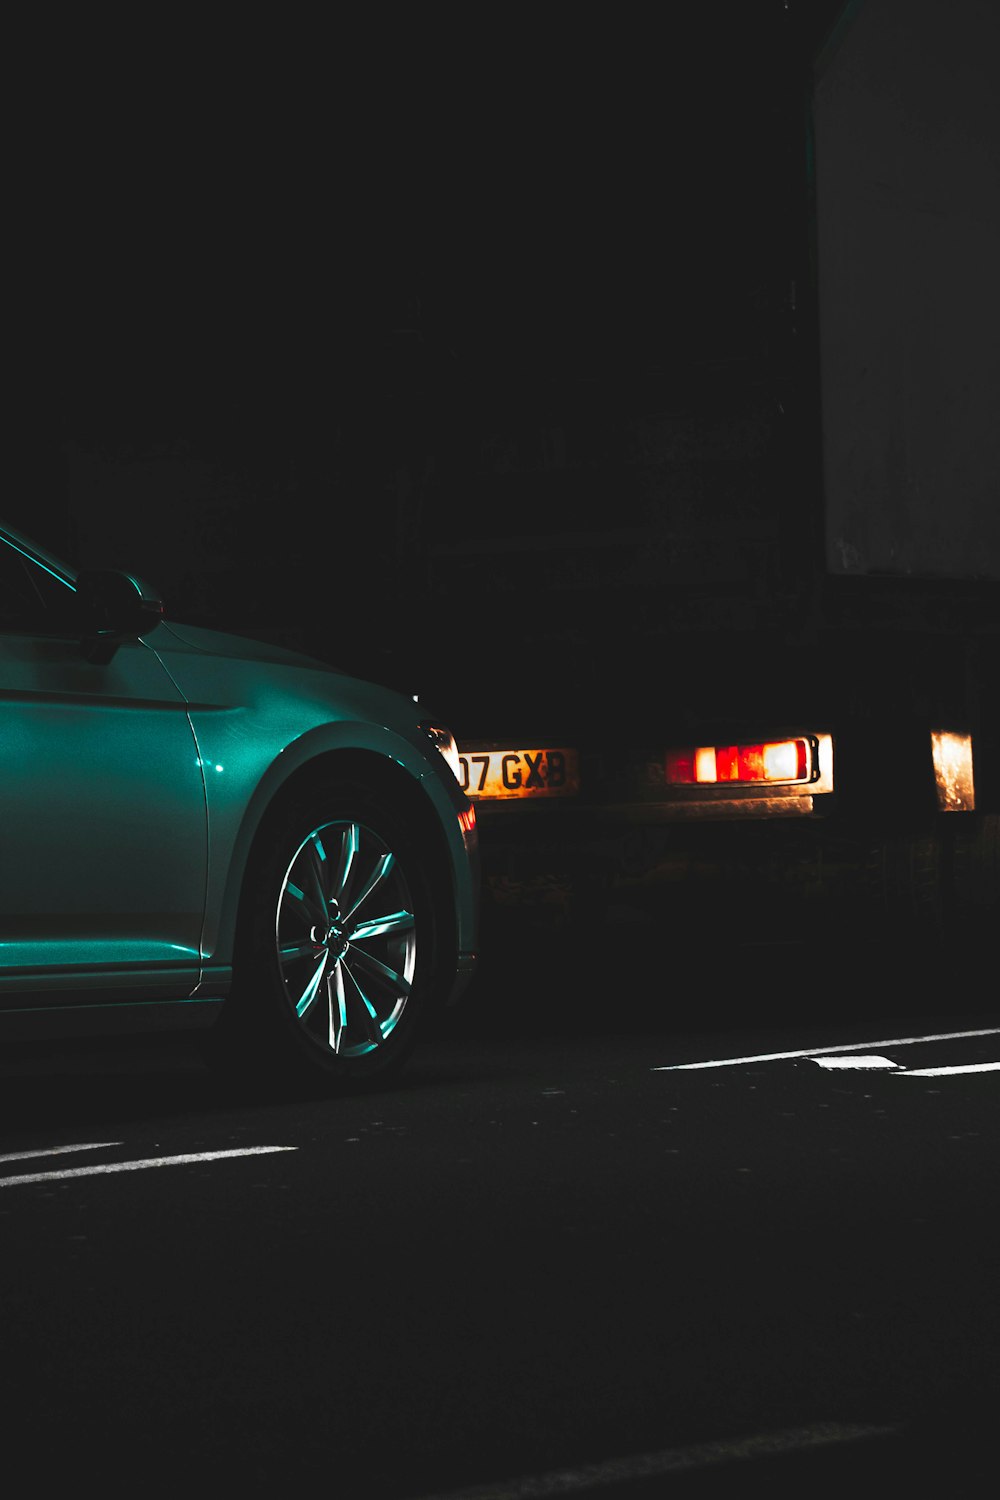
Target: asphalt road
column 554, row 1258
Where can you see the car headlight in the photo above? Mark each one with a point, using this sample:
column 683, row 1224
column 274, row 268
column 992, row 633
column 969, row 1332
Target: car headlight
column 444, row 740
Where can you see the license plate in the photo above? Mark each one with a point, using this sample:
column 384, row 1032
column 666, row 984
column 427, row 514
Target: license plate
column 519, row 773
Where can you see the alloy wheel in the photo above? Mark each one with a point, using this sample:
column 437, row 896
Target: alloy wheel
column 346, row 938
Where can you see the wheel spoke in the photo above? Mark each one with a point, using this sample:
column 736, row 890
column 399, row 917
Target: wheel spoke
column 315, row 857
column 349, row 841
column 396, row 921
column 304, row 908
column 312, row 988
column 336, row 1007
column 381, row 870
column 289, row 953
column 370, row 1013
column 381, row 970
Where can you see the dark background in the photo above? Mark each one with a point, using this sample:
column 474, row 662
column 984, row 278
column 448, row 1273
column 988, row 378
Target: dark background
column 283, row 286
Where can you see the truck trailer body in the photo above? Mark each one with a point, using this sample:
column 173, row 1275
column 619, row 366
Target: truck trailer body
column 748, row 620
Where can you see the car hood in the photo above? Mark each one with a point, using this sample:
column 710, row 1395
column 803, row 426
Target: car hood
column 238, row 647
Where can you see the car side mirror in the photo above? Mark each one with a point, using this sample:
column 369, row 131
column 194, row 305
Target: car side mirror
column 114, row 607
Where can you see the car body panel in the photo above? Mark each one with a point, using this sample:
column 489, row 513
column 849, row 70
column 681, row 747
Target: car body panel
column 256, row 728
column 89, row 880
column 131, row 793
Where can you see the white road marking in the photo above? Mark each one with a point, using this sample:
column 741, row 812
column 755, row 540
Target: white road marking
column 59, row 1150
column 990, row 1067
column 670, row 1460
column 137, row 1166
column 812, row 1052
column 886, row 1063
column 867, row 1061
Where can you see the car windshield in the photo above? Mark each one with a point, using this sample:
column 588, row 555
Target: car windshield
column 27, row 547
column 36, row 591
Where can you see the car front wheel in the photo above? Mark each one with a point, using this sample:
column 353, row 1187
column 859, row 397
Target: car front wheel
column 336, row 940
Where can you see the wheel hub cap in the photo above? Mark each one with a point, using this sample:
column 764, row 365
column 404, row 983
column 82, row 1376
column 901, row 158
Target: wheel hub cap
column 332, row 934
column 333, row 938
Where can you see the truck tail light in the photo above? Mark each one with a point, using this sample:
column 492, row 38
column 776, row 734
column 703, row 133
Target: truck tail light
column 742, row 765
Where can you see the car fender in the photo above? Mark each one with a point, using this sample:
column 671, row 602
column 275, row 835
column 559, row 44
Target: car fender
column 234, row 826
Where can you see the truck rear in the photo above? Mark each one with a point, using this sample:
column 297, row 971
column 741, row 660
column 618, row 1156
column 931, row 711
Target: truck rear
column 725, row 626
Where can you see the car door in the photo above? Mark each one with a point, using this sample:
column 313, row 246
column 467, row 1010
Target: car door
column 103, row 844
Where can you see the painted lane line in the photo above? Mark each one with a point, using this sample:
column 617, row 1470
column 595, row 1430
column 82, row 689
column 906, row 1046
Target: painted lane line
column 59, row 1150
column 136, row 1166
column 991, row 1067
column 867, row 1061
column 670, row 1460
column 885, row 1064
column 812, row 1052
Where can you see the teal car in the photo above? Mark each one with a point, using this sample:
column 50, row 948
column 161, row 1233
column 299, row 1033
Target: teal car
column 204, row 832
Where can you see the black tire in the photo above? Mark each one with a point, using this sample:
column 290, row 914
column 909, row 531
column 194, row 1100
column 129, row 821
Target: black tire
column 336, row 944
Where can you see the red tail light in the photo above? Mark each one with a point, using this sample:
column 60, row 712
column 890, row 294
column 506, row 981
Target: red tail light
column 744, row 765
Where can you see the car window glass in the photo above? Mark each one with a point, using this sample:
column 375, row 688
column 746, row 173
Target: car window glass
column 31, row 598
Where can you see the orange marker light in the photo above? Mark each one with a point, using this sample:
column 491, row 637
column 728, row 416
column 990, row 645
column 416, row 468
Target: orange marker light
column 953, row 771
